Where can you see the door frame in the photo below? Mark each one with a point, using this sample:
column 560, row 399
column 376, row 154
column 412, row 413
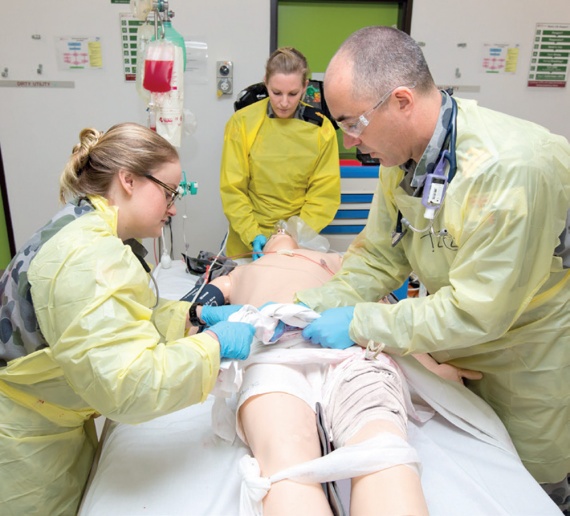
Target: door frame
column 5, row 202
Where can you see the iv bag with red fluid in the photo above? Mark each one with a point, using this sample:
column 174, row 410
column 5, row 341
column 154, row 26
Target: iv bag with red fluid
column 158, row 66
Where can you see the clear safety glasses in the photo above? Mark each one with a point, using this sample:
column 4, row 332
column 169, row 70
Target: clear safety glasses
column 355, row 127
column 171, row 194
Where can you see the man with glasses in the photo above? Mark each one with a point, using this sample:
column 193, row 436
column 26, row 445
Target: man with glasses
column 476, row 203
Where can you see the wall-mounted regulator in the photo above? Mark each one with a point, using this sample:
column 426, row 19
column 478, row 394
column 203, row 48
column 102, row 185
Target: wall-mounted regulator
column 224, row 77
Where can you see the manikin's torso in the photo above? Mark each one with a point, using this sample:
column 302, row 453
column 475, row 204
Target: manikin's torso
column 280, row 272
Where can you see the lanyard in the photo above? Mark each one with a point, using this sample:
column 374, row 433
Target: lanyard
column 435, row 186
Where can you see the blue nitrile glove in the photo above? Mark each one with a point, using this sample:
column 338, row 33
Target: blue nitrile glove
column 258, row 244
column 215, row 314
column 235, row 339
column 330, row 330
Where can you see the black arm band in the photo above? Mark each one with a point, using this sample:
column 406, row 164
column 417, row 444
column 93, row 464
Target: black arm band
column 194, row 319
column 209, row 295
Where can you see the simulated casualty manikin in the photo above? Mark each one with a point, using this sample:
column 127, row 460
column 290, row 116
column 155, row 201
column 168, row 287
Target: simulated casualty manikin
column 281, row 386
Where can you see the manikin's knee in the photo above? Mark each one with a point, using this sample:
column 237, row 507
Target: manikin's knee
column 285, row 449
column 281, row 432
column 362, row 392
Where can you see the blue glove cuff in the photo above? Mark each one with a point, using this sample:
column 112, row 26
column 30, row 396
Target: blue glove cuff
column 258, row 244
column 204, row 315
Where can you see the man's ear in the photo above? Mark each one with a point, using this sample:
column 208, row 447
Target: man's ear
column 126, row 180
column 405, row 97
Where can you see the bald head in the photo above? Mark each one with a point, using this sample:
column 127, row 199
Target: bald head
column 378, row 59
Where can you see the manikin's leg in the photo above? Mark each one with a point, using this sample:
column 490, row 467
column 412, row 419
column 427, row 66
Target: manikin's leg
column 365, row 399
column 281, row 431
column 396, row 491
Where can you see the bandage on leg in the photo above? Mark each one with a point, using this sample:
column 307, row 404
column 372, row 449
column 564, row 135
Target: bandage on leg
column 360, row 391
column 391, row 491
column 281, row 432
column 386, row 451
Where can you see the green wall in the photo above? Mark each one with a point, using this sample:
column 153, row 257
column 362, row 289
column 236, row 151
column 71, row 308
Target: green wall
column 318, row 28
column 5, row 255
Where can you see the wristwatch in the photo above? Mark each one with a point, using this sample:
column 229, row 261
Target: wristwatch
column 194, row 319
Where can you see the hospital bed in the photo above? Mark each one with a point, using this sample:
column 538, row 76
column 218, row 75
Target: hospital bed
column 175, row 465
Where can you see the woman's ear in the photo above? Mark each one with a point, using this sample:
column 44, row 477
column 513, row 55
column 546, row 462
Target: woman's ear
column 126, row 181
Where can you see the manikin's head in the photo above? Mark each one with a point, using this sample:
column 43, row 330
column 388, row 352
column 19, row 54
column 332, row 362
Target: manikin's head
column 280, row 241
column 300, row 236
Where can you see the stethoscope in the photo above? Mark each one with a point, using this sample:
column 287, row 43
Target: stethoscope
column 435, row 185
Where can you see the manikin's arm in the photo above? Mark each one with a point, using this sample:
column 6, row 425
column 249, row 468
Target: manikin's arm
column 446, row 371
column 224, row 283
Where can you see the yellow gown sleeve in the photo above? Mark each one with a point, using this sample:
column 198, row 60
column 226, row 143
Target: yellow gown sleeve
column 499, row 294
column 93, row 303
column 505, row 228
column 371, row 267
column 235, row 177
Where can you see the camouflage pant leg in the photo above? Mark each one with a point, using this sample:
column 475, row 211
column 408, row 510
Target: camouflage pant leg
column 560, row 494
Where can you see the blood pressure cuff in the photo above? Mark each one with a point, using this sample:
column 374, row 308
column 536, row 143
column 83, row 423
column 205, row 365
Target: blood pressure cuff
column 208, row 294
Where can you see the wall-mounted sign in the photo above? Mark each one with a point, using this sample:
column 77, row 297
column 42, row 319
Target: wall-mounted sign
column 500, row 58
column 37, row 84
column 550, row 54
column 129, row 33
column 79, row 53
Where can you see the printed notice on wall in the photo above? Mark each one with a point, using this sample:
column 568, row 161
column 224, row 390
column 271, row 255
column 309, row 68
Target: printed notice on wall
column 550, row 54
column 129, row 37
column 196, row 61
column 79, row 53
column 500, row 58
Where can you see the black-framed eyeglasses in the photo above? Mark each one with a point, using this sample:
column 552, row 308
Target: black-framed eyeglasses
column 171, row 194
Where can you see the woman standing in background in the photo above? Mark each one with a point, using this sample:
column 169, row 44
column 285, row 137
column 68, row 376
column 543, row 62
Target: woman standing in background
column 280, row 159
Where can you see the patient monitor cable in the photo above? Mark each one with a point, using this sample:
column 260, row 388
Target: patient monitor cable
column 209, row 267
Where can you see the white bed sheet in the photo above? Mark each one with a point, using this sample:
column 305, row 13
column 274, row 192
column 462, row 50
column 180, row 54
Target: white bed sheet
column 175, row 465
